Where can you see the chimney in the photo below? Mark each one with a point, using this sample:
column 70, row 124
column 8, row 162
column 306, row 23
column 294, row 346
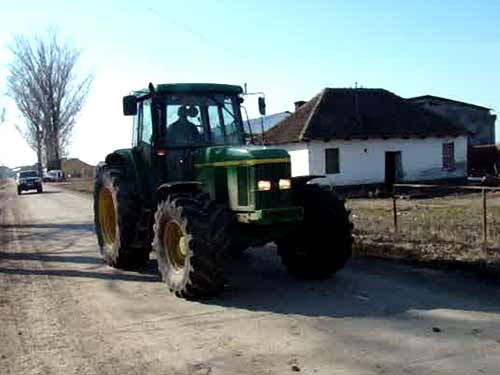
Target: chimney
column 299, row 104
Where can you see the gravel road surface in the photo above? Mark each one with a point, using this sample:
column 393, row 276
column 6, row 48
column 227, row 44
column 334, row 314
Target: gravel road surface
column 64, row 312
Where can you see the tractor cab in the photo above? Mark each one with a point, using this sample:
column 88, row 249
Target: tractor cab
column 173, row 122
column 187, row 115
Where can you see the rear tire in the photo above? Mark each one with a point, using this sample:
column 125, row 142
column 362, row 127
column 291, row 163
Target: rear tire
column 322, row 244
column 116, row 210
column 39, row 190
column 236, row 250
column 190, row 240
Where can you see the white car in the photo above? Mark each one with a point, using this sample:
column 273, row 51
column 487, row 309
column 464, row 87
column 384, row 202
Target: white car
column 55, row 175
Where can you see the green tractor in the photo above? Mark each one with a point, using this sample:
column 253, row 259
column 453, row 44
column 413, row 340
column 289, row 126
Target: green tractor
column 193, row 190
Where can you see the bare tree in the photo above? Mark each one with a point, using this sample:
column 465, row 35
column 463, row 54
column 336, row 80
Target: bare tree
column 33, row 134
column 43, row 83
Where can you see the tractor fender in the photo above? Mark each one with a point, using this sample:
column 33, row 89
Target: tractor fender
column 115, row 158
column 300, row 181
column 164, row 190
column 99, row 167
column 121, row 162
column 113, row 162
column 122, row 159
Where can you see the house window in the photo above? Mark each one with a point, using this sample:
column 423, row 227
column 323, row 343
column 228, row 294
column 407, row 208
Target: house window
column 332, row 163
column 449, row 156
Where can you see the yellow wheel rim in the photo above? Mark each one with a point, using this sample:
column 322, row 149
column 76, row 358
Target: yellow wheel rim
column 176, row 244
column 107, row 217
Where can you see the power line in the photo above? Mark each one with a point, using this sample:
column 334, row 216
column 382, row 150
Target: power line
column 188, row 29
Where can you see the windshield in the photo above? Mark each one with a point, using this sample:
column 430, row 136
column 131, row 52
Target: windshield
column 28, row 174
column 203, row 120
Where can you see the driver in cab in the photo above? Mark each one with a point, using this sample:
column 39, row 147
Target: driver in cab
column 183, row 131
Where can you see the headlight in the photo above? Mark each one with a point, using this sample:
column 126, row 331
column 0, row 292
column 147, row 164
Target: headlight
column 263, row 185
column 285, row 184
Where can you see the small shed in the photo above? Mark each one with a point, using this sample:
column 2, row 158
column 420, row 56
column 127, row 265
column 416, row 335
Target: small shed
column 75, row 168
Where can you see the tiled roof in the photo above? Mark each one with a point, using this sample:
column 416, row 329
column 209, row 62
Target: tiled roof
column 418, row 99
column 359, row 114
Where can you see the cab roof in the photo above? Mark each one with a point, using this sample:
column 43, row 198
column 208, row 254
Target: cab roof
column 187, row 88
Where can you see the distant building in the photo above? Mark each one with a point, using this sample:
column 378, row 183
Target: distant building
column 75, row 168
column 360, row 137
column 266, row 122
column 477, row 120
column 33, row 167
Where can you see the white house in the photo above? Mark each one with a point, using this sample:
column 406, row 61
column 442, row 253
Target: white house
column 370, row 136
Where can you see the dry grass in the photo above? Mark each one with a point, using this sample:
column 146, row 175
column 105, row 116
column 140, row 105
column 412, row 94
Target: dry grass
column 3, row 193
column 446, row 230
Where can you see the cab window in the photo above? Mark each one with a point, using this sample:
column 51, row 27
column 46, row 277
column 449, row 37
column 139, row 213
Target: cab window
column 147, row 123
column 135, row 129
column 202, row 120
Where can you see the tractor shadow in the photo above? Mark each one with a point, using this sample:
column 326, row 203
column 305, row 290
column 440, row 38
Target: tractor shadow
column 365, row 287
column 81, row 274
column 37, row 193
column 57, row 250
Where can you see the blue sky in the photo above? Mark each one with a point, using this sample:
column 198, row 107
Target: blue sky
column 290, row 50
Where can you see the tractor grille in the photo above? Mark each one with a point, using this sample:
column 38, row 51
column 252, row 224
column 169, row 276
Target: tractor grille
column 243, row 185
column 275, row 198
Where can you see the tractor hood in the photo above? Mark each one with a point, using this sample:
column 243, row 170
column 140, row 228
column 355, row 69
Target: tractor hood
column 239, row 156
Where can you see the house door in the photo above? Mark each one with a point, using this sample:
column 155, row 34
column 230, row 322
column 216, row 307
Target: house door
column 392, row 168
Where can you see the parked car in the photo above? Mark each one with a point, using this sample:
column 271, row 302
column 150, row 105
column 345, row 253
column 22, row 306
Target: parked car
column 55, row 175
column 28, row 180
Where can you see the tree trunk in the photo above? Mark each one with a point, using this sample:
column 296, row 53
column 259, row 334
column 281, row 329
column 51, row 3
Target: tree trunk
column 52, row 151
column 39, row 154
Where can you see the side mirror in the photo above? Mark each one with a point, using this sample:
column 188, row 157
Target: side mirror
column 262, row 105
column 129, row 105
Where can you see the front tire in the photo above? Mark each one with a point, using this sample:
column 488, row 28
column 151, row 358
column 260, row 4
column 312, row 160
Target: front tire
column 322, row 243
column 116, row 211
column 190, row 240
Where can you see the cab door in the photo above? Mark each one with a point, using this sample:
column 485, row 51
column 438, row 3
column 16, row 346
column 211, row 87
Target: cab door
column 145, row 137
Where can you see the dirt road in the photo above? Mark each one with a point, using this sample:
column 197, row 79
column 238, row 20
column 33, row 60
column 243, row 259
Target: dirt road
column 64, row 312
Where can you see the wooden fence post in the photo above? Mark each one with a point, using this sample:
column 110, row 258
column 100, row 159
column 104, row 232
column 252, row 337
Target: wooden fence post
column 395, row 212
column 485, row 221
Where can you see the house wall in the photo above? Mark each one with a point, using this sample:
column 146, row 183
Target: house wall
column 77, row 168
column 299, row 156
column 363, row 162
column 480, row 122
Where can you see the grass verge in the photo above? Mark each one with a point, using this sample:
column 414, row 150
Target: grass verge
column 445, row 231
